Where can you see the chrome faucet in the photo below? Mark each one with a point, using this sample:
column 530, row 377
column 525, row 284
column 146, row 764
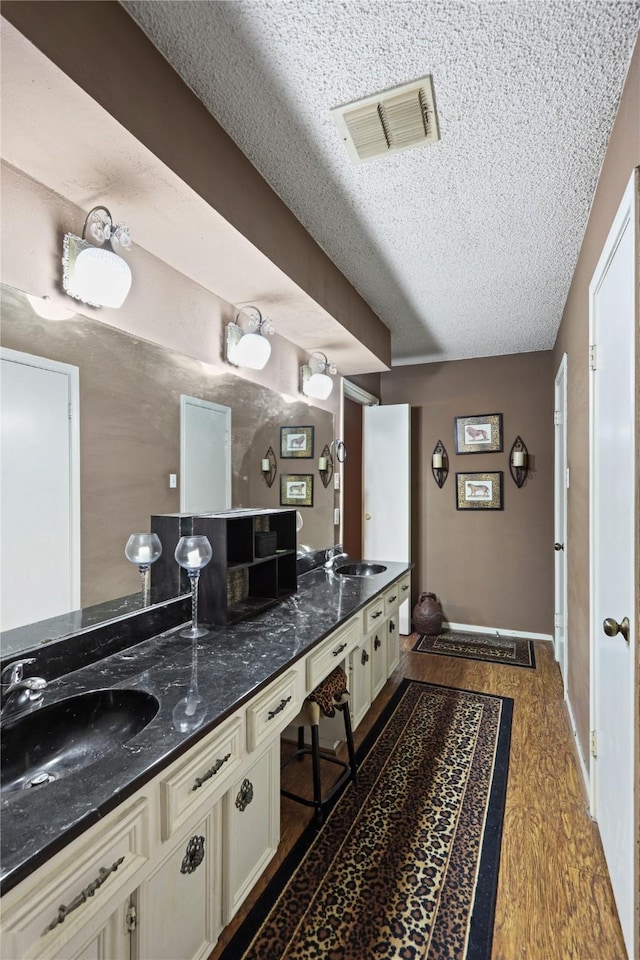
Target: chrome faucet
column 332, row 556
column 18, row 693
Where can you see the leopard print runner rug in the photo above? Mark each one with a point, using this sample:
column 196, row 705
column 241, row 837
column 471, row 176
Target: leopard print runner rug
column 406, row 865
column 516, row 651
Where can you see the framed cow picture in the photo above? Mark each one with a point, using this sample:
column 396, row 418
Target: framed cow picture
column 481, row 433
column 296, row 442
column 296, row 490
column 479, row 491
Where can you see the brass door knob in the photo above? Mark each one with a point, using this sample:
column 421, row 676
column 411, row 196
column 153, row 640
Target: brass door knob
column 367, row 516
column 611, row 627
column 558, row 546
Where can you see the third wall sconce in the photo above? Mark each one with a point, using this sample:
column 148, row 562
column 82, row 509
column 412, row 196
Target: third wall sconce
column 325, row 466
column 440, row 464
column 268, row 467
column 519, row 461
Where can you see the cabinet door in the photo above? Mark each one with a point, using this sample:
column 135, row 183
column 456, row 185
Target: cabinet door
column 251, row 826
column 360, row 667
column 180, row 905
column 112, row 942
column 393, row 644
column 379, row 674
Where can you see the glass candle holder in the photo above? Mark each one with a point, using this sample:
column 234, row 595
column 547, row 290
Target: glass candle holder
column 143, row 549
column 193, row 553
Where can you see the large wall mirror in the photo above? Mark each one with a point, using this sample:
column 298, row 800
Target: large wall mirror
column 129, row 439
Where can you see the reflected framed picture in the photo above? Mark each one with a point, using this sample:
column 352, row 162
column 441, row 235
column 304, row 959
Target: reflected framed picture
column 296, row 442
column 296, row 490
column 481, row 433
column 479, row 491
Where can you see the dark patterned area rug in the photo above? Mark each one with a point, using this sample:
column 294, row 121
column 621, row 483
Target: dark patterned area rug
column 406, row 865
column 480, row 646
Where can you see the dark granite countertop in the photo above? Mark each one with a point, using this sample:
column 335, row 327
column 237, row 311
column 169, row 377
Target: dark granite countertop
column 233, row 664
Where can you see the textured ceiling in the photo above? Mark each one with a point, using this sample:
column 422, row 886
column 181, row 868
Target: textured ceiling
column 465, row 248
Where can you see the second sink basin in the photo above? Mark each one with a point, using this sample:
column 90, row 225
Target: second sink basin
column 360, row 569
column 67, row 736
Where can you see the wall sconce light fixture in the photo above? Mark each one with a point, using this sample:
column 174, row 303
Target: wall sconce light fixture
column 269, row 466
column 316, row 381
column 92, row 271
column 519, row 461
column 325, row 466
column 440, row 464
column 247, row 344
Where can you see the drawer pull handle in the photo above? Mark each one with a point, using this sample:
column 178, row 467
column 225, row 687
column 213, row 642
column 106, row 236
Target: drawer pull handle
column 193, row 856
column 378, row 613
column 392, row 626
column 377, row 643
column 245, row 795
column 83, row 896
column 406, row 587
column 211, row 772
column 394, row 597
column 364, row 658
column 339, row 650
column 281, row 706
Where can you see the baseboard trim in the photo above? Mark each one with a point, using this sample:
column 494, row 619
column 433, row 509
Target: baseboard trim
column 583, row 766
column 471, row 628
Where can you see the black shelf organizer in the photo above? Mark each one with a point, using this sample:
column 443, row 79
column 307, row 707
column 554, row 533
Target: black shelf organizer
column 239, row 581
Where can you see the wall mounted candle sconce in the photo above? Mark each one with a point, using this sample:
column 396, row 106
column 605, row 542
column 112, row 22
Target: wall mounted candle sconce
column 269, row 467
column 246, row 342
column 440, row 464
column 92, row 271
column 315, row 376
column 519, row 461
column 325, row 466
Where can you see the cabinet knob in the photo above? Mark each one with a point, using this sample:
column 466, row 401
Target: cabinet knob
column 194, row 855
column 245, row 795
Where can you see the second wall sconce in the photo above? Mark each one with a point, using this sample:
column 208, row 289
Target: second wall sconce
column 440, row 464
column 325, row 466
column 92, row 271
column 519, row 461
column 268, row 467
column 315, row 378
column 246, row 343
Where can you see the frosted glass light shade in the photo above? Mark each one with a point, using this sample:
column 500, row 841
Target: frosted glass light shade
column 253, row 351
column 100, row 276
column 318, row 385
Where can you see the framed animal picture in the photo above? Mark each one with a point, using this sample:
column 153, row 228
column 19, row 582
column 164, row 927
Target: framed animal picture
column 479, row 491
column 296, row 442
column 296, row 490
column 479, row 434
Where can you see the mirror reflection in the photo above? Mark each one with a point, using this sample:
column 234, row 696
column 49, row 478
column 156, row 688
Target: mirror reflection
column 128, row 417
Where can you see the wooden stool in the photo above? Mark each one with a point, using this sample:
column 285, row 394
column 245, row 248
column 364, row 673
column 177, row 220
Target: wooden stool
column 328, row 696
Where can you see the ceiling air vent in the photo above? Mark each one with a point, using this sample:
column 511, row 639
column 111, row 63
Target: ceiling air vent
column 388, row 122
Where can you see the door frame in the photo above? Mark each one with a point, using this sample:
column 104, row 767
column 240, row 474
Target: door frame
column 72, row 374
column 185, row 401
column 627, row 214
column 561, row 604
column 351, row 391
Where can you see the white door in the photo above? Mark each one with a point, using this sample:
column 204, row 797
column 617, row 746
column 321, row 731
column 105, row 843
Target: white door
column 612, row 316
column 561, row 479
column 387, row 490
column 40, row 492
column 205, row 456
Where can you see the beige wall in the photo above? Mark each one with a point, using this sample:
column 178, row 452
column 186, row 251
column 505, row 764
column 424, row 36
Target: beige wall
column 488, row 568
column 623, row 154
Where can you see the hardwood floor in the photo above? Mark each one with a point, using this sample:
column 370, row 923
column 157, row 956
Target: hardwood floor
column 554, row 896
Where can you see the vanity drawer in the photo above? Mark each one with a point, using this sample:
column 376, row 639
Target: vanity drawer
column 202, row 774
column 392, row 598
column 374, row 614
column 404, row 588
column 90, row 877
column 272, row 709
column 332, row 651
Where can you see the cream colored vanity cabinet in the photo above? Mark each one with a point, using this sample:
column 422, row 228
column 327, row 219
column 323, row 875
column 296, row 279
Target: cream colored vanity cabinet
column 179, row 905
column 251, row 825
column 333, row 651
column 360, row 680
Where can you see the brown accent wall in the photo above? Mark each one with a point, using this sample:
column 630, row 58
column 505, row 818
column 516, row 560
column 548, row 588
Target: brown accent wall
column 352, row 479
column 489, row 568
column 143, row 92
column 623, row 154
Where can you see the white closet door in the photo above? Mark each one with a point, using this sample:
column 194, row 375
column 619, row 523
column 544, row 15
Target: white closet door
column 387, row 487
column 205, row 455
